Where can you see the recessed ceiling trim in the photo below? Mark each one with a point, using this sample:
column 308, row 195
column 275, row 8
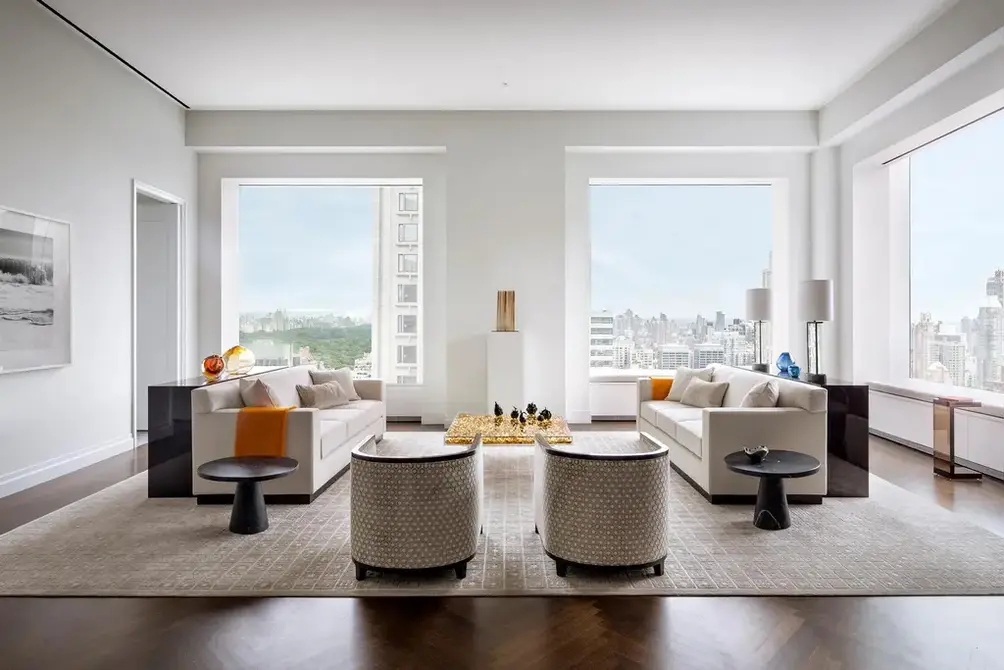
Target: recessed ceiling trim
column 111, row 53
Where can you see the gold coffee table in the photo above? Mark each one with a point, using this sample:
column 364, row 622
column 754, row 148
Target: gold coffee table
column 503, row 430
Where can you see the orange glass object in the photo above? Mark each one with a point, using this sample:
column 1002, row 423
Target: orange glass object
column 212, row 366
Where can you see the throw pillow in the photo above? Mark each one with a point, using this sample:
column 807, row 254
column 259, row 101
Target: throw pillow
column 683, row 379
column 660, row 387
column 700, row 393
column 342, row 376
column 322, row 396
column 256, row 393
column 763, row 394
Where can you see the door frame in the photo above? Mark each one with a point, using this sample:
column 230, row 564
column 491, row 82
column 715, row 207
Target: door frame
column 140, row 188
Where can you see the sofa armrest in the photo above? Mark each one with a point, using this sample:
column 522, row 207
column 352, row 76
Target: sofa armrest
column 729, row 429
column 644, row 389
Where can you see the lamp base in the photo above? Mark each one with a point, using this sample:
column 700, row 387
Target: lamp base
column 761, row 367
column 814, row 378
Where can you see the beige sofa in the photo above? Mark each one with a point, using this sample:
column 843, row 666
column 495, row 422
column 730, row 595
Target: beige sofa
column 699, row 439
column 321, row 440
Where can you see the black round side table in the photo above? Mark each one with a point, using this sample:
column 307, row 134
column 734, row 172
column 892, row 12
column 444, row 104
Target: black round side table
column 771, row 511
column 248, row 515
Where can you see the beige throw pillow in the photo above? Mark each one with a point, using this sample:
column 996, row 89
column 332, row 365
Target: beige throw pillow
column 256, row 393
column 342, row 376
column 682, row 380
column 763, row 394
column 322, row 396
column 700, row 393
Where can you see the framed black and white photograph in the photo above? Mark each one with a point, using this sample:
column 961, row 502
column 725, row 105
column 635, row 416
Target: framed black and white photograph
column 35, row 319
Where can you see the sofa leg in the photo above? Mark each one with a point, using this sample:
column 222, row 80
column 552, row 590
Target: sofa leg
column 360, row 572
column 535, row 529
column 659, row 567
column 461, row 569
column 561, row 567
column 482, row 530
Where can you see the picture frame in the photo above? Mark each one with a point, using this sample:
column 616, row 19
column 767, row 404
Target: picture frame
column 36, row 320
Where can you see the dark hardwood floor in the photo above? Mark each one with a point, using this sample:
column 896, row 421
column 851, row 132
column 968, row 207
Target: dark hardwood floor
column 613, row 632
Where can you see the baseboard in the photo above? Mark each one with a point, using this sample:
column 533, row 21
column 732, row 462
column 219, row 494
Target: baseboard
column 272, row 498
column 39, row 473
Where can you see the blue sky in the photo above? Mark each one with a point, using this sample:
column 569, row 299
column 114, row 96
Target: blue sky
column 957, row 220
column 678, row 249
column 307, row 248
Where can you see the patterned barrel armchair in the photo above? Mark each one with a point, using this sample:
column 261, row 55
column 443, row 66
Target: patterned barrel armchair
column 602, row 509
column 412, row 509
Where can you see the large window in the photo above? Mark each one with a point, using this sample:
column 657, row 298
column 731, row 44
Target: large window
column 670, row 267
column 318, row 285
column 957, row 258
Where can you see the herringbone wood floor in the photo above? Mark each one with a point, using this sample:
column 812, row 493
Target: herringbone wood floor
column 442, row 633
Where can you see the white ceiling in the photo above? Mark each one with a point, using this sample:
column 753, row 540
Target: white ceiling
column 456, row 54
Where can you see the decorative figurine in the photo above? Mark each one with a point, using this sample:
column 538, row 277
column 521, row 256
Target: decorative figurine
column 498, row 409
column 239, row 360
column 756, row 454
column 522, row 419
column 784, row 361
column 794, row 371
column 545, row 414
column 514, row 414
column 531, row 411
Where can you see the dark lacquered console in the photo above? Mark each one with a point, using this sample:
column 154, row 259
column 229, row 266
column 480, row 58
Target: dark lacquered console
column 846, row 439
column 170, row 434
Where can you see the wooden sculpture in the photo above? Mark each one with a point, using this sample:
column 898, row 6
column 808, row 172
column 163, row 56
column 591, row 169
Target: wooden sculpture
column 505, row 312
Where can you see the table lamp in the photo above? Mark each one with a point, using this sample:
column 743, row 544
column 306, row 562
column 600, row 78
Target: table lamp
column 758, row 311
column 815, row 305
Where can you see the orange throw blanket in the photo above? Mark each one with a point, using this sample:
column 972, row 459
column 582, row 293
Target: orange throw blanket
column 261, row 431
column 661, row 387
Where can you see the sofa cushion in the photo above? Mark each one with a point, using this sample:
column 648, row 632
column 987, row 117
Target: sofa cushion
column 763, row 394
column 682, row 379
column 322, row 396
column 740, row 382
column 700, row 393
column 342, row 376
column 333, row 434
column 688, row 433
column 356, row 415
column 283, row 383
column 663, row 414
column 258, row 393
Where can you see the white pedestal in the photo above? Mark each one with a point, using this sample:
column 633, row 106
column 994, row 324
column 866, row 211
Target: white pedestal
column 506, row 371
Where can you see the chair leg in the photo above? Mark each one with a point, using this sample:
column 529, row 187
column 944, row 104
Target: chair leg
column 659, row 567
column 561, row 567
column 360, row 572
column 461, row 569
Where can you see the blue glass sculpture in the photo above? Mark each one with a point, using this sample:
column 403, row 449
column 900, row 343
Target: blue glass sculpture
column 794, row 371
column 784, row 361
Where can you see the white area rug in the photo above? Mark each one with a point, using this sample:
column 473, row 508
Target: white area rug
column 120, row 543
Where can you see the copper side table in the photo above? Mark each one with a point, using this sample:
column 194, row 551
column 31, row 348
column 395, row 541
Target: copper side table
column 944, row 438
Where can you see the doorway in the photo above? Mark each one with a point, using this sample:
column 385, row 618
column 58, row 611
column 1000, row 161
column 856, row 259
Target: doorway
column 158, row 234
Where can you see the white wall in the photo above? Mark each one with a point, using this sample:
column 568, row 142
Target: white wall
column 75, row 129
column 504, row 225
column 871, row 284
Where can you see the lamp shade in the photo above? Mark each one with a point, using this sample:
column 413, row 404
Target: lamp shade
column 758, row 304
column 815, row 300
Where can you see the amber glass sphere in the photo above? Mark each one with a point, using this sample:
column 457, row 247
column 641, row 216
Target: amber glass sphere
column 238, row 360
column 212, row 366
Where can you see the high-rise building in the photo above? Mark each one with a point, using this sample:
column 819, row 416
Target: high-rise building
column 701, row 328
column 950, row 351
column 988, row 345
column 398, row 321
column 623, row 350
column 706, row 354
column 719, row 321
column 673, row 356
column 601, row 340
column 643, row 359
column 920, row 345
